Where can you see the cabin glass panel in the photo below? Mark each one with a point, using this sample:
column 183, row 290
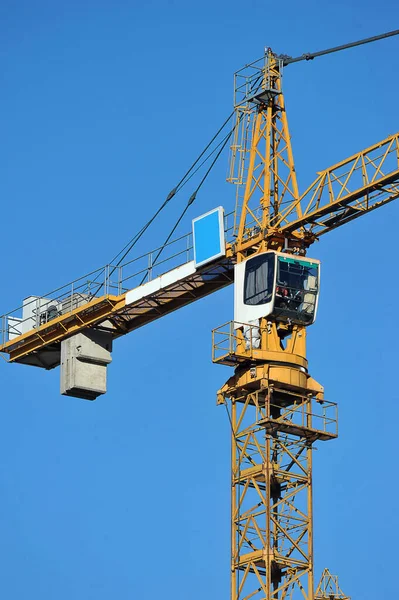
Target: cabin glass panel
column 259, row 279
column 296, row 290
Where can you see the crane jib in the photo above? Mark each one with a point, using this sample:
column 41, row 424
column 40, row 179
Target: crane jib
column 131, row 310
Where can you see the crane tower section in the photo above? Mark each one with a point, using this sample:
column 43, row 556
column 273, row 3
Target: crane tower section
column 276, row 409
column 262, row 162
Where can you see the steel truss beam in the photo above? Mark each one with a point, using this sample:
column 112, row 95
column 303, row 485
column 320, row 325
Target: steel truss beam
column 120, row 317
column 272, row 530
column 262, row 161
column 347, row 190
column 276, row 412
column 270, row 210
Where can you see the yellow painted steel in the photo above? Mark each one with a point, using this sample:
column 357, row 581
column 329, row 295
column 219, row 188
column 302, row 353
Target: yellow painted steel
column 271, row 212
column 271, row 178
column 121, row 318
column 328, row 588
column 347, row 190
column 52, row 332
column 273, row 418
column 272, row 511
column 334, row 199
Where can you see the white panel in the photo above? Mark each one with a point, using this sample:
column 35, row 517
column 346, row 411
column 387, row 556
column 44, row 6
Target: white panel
column 160, row 282
column 14, row 327
column 245, row 313
column 32, row 308
column 239, row 307
column 143, row 290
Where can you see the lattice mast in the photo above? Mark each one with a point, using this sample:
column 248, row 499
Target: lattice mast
column 262, row 163
column 277, row 411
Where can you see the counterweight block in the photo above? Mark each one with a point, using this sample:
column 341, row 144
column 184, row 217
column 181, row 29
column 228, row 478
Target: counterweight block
column 84, row 360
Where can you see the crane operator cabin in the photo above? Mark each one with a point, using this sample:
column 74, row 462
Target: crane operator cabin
column 283, row 287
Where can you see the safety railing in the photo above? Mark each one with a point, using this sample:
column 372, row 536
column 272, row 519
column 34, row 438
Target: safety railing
column 305, row 414
column 253, row 78
column 291, row 413
column 107, row 280
column 234, row 342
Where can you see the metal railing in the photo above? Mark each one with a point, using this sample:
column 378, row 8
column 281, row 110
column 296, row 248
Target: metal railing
column 234, row 340
column 107, row 280
column 321, row 416
column 253, row 78
column 299, row 414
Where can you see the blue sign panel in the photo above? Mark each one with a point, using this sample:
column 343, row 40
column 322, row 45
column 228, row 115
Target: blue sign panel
column 208, row 237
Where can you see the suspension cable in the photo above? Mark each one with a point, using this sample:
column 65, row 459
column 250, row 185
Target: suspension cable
column 186, row 177
column 125, row 251
column 193, row 196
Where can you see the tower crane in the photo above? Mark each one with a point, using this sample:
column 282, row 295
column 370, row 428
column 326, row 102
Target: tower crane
column 276, row 409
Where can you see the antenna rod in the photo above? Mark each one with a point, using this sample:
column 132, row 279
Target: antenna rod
column 287, row 60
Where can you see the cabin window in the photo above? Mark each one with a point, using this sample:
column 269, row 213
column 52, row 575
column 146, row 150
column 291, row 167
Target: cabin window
column 296, row 289
column 259, row 276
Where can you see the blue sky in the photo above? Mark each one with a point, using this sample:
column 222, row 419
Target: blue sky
column 104, row 105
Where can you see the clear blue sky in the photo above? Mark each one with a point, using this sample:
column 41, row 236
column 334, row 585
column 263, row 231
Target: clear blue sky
column 103, row 106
